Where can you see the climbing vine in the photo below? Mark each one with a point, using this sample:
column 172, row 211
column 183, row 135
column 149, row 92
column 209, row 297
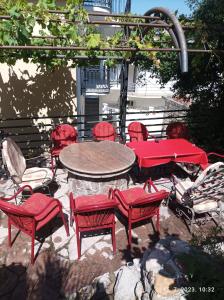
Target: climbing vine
column 35, row 25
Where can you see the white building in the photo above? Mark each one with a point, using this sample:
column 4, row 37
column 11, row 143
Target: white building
column 98, row 87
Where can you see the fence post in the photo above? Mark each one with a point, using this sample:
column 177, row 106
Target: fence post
column 123, row 99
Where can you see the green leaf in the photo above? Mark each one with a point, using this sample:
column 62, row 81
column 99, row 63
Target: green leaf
column 93, row 41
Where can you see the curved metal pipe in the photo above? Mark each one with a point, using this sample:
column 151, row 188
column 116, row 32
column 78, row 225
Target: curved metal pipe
column 171, row 32
column 177, row 36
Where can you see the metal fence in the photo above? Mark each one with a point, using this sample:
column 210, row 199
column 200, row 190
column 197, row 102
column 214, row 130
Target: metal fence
column 33, row 133
column 95, row 79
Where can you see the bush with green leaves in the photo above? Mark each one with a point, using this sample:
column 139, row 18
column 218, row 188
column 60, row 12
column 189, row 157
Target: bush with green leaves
column 204, row 266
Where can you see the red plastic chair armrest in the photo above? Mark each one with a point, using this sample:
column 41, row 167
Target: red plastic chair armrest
column 18, row 192
column 118, row 195
column 110, row 193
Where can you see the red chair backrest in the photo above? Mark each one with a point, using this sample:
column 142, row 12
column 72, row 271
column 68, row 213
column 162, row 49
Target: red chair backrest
column 177, row 130
column 93, row 215
column 63, row 135
column 104, row 131
column 137, row 132
column 95, row 219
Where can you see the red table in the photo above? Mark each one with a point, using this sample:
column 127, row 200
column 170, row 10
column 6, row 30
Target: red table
column 154, row 153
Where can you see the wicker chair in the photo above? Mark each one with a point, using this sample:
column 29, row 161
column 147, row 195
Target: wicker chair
column 198, row 201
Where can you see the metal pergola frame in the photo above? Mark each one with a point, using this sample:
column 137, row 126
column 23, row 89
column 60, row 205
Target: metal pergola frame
column 152, row 19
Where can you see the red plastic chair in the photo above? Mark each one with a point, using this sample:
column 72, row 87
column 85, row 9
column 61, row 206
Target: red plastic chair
column 32, row 215
column 136, row 204
column 92, row 212
column 177, row 130
column 104, row 131
column 62, row 136
column 137, row 132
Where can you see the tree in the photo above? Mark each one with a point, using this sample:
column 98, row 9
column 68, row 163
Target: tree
column 204, row 83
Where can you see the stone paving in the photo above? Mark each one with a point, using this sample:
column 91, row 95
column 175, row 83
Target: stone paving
column 57, row 273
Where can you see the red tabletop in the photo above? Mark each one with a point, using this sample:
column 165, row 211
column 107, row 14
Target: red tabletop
column 154, row 153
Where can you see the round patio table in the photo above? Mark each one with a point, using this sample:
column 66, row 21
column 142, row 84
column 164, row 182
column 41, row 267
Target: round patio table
column 94, row 167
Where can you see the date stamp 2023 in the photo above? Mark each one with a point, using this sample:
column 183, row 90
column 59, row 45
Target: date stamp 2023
column 200, row 289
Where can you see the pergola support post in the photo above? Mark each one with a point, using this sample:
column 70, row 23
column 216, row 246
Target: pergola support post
column 123, row 99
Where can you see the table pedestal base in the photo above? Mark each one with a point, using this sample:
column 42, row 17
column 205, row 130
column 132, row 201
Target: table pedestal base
column 91, row 186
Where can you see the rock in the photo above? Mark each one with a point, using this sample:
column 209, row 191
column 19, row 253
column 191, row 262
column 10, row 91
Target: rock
column 73, row 296
column 179, row 247
column 105, row 284
column 165, row 286
column 156, row 259
column 172, row 268
column 101, row 288
column 128, row 284
column 8, row 281
column 86, row 293
column 160, row 268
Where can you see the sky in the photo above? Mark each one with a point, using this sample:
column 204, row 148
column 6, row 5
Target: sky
column 141, row 6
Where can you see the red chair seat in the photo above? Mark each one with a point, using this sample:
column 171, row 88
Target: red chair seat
column 132, row 194
column 43, row 207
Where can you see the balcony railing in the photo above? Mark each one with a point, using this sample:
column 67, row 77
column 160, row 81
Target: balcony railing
column 33, row 133
column 99, row 3
column 95, row 79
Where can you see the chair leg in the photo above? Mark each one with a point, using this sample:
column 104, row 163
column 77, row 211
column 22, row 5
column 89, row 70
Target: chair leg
column 32, row 248
column 113, row 239
column 64, row 222
column 71, row 218
column 78, row 239
column 157, row 222
column 52, row 165
column 9, row 233
column 192, row 221
column 129, row 234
